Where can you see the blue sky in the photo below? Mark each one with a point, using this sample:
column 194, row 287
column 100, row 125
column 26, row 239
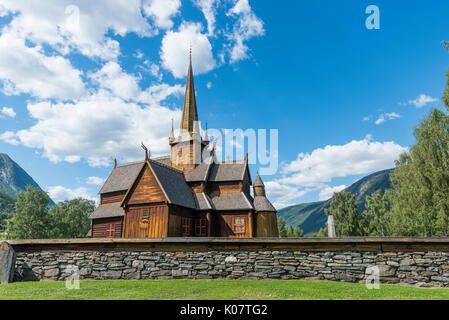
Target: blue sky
column 344, row 98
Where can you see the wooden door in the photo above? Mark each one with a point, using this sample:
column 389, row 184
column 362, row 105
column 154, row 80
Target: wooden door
column 146, row 222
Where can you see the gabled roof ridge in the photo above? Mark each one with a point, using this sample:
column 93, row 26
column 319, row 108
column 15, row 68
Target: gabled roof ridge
column 232, row 162
column 165, row 166
column 129, row 164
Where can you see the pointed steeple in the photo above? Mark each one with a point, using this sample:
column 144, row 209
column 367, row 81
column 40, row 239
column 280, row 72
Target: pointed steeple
column 189, row 113
column 258, row 181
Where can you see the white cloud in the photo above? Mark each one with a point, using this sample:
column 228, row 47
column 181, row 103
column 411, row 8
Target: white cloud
column 209, row 85
column 354, row 158
column 422, row 101
column 60, row 193
column 65, row 26
column 209, row 9
column 284, row 195
column 247, row 26
column 28, row 70
column 8, row 112
column 113, row 78
column 312, row 171
column 97, row 181
column 176, row 46
column 97, row 127
column 138, row 54
column 9, row 137
column 328, row 192
column 387, row 116
column 162, row 11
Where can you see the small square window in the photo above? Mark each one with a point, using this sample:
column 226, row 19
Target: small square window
column 201, row 227
column 239, row 224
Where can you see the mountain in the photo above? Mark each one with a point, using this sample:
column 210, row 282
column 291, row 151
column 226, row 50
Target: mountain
column 310, row 217
column 13, row 179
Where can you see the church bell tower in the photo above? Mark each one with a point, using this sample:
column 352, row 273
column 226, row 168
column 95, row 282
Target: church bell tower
column 186, row 150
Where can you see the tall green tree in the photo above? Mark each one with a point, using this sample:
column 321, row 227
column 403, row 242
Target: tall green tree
column 346, row 216
column 70, row 219
column 298, row 232
column 31, row 220
column 375, row 216
column 420, row 202
column 282, row 228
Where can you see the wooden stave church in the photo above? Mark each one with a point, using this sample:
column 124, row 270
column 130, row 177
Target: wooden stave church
column 179, row 196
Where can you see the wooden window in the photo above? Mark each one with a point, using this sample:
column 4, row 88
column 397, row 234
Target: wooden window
column 145, row 217
column 239, row 224
column 186, row 227
column 201, row 227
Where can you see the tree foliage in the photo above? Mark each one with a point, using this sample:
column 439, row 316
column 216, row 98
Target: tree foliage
column 31, row 220
column 71, row 218
column 346, row 216
column 420, row 202
column 288, row 231
column 35, row 219
column 375, row 217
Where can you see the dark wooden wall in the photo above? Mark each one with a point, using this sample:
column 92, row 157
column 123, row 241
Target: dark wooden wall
column 100, row 227
column 224, row 188
column 266, row 225
column 112, row 197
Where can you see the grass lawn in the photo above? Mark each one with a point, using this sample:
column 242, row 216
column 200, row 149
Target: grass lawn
column 213, row 290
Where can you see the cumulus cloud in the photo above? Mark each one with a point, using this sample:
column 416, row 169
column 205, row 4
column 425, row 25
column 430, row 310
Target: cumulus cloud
column 387, row 116
column 96, row 181
column 422, row 101
column 247, row 26
column 176, row 46
column 96, row 128
column 328, row 192
column 84, row 26
column 60, row 193
column 314, row 171
column 9, row 137
column 354, row 158
column 283, row 195
column 162, row 11
column 8, row 112
column 113, row 78
column 28, row 70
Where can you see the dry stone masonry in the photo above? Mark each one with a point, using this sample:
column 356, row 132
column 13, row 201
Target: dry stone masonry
column 413, row 268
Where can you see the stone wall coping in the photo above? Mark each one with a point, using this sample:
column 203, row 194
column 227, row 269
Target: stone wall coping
column 355, row 240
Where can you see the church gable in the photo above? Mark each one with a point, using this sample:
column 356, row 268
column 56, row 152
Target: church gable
column 145, row 189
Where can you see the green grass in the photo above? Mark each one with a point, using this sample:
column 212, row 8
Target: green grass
column 213, row 290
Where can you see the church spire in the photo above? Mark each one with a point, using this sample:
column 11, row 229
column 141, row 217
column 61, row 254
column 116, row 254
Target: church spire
column 189, row 113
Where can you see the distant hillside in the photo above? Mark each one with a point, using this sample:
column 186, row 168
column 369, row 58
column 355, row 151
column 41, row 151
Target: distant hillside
column 310, row 217
column 13, row 179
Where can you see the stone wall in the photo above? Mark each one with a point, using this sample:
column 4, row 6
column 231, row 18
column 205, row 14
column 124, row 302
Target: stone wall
column 427, row 268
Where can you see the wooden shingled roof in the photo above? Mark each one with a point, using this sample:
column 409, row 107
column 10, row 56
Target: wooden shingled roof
column 108, row 211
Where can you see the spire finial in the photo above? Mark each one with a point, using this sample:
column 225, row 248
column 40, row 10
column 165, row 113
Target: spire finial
column 190, row 52
column 206, row 138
